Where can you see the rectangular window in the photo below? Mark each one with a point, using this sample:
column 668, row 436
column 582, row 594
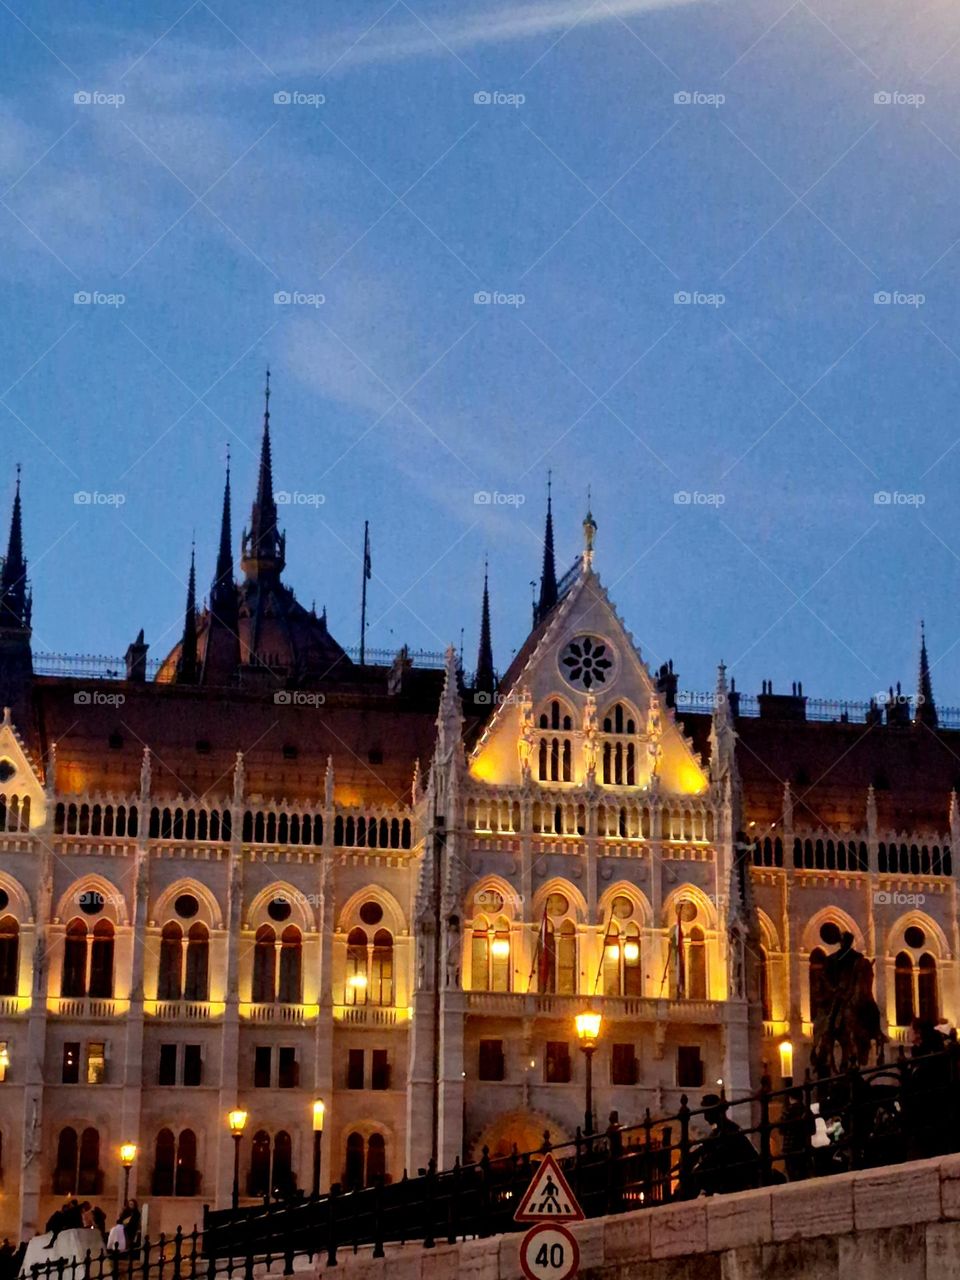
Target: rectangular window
column 71, row 1063
column 192, row 1065
column 556, row 1062
column 623, row 1064
column 380, row 1070
column 689, row 1066
column 490, row 1066
column 288, row 1069
column 96, row 1062
column 262, row 1055
column 168, row 1064
column 355, row 1069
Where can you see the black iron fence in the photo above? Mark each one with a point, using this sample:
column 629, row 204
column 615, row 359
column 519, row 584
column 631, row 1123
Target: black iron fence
column 908, row 1109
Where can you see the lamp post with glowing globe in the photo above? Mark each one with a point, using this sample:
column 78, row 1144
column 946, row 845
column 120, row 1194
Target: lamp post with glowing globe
column 237, row 1120
column 318, row 1113
column 588, row 1033
column 128, row 1153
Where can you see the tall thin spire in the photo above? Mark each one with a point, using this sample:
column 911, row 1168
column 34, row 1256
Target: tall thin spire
column 548, row 575
column 926, row 709
column 223, row 595
column 484, row 681
column 187, row 662
column 14, row 598
column 263, row 550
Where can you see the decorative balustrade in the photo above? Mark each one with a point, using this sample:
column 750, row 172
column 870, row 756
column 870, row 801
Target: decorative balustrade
column 285, row 1014
column 639, row 1008
column 11, row 1006
column 369, row 1015
column 183, row 1010
column 86, row 1007
column 356, row 828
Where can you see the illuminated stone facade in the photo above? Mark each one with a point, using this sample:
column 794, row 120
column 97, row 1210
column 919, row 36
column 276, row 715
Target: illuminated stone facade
column 272, row 876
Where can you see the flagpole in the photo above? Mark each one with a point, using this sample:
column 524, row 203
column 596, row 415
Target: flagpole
column 363, row 596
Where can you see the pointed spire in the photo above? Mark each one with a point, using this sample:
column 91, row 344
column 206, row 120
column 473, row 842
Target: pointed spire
column 223, row 595
column 589, row 533
column 450, row 711
column 263, row 550
column 484, row 681
column 723, row 734
column 14, row 600
column 187, row 662
column 925, row 710
column 548, row 574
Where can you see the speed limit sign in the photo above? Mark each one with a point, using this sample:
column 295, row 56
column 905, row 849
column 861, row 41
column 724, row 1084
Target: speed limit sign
column 549, row 1252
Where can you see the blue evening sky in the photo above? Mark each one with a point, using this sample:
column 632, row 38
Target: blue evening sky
column 783, row 195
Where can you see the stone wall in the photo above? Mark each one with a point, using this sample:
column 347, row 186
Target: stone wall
column 898, row 1223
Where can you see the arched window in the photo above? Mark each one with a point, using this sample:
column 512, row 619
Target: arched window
column 65, row 1173
column 258, row 1183
column 9, row 955
column 171, row 962
column 818, row 992
column 73, row 980
column 381, row 968
column 562, row 943
column 622, row 968
column 928, row 1002
column 197, row 985
column 376, row 1159
column 903, row 989
column 164, row 1162
column 766, row 1006
column 696, row 964
column 353, row 1166
column 356, row 985
column 284, row 1183
column 101, row 961
column 264, row 966
column 554, row 757
column 291, row 966
column 188, row 1180
column 490, row 964
column 89, row 1177
column 619, row 757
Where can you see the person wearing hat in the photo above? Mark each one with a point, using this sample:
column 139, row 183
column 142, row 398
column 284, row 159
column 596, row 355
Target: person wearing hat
column 725, row 1160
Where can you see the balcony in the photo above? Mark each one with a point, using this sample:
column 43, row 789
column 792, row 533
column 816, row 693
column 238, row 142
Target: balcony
column 86, row 1007
column 289, row 1015
column 14, row 1006
column 639, row 1009
column 369, row 1015
column 184, row 1010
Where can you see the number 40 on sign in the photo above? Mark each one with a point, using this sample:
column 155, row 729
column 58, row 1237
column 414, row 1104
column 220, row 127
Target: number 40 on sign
column 549, row 1250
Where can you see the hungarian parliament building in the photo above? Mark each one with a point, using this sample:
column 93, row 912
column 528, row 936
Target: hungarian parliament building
column 262, row 874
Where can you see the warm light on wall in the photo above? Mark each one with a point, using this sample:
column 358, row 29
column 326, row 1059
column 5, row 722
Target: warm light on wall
column 319, row 1111
column 4, row 1059
column 613, row 951
column 500, row 948
column 237, row 1120
column 786, row 1060
column 128, row 1153
column 631, row 952
column 357, row 980
column 588, row 1029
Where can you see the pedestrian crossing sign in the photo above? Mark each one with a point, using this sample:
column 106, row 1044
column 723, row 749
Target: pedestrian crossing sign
column 548, row 1197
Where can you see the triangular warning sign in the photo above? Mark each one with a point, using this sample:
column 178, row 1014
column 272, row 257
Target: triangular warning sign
column 548, row 1197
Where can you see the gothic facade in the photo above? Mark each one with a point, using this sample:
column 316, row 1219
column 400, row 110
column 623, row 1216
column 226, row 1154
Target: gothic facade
column 269, row 875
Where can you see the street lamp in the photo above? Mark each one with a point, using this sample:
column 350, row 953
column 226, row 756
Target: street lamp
column 318, row 1113
column 588, row 1033
column 237, row 1120
column 128, row 1153
column 786, row 1063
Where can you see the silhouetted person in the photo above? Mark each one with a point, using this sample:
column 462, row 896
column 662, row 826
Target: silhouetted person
column 797, row 1126
column 725, row 1160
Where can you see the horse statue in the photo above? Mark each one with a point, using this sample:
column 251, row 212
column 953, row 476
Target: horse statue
column 846, row 1017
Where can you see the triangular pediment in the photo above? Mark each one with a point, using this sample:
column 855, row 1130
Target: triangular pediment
column 586, row 662
column 19, row 777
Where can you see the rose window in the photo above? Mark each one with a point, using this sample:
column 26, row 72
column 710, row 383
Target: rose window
column 586, row 662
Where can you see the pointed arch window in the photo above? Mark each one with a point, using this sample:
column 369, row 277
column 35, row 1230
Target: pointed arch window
column 766, row 1006
column 65, row 1171
column 187, row 1178
column 197, row 983
column 817, row 981
column 490, row 966
column 290, row 985
column 101, row 961
column 353, row 1168
column 9, row 955
column 164, row 1163
column 555, row 752
column 365, row 1163
column 356, row 983
column 258, row 1183
column 928, row 1002
column 622, row 965
column 264, row 965
column 73, row 978
column 903, row 989
column 169, row 985
column 89, row 1175
column 381, row 968
column 619, row 755
column 696, row 964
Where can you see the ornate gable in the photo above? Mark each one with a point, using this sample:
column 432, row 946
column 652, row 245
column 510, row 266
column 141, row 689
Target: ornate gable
column 22, row 796
column 584, row 705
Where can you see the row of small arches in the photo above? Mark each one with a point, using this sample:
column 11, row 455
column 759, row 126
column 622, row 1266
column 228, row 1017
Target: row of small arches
column 853, row 855
column 14, row 813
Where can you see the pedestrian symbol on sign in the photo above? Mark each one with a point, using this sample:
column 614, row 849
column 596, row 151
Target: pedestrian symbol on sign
column 548, row 1197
